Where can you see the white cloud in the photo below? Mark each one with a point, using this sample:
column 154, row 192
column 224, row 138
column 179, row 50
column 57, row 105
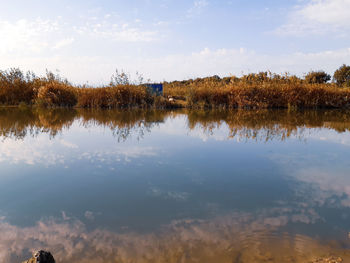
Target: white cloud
column 197, row 8
column 179, row 66
column 174, row 195
column 237, row 61
column 63, row 43
column 117, row 32
column 89, row 215
column 326, row 173
column 31, row 36
column 68, row 144
column 42, row 150
column 223, row 237
column 334, row 12
column 318, row 17
column 200, row 3
column 333, row 137
column 330, row 182
column 30, row 151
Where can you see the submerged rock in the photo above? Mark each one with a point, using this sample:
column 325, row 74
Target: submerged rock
column 329, row 260
column 41, row 257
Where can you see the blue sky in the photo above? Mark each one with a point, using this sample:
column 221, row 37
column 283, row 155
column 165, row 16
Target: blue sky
column 167, row 39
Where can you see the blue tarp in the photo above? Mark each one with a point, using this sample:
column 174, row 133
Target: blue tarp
column 156, row 89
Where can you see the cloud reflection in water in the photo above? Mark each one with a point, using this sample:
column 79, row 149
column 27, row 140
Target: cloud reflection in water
column 244, row 236
column 104, row 139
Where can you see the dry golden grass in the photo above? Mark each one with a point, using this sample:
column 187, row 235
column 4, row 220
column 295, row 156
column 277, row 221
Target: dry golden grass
column 262, row 90
column 16, row 87
column 56, row 94
column 120, row 96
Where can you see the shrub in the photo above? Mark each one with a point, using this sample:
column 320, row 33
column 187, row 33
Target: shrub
column 56, row 94
column 268, row 95
column 317, row 77
column 119, row 96
column 342, row 75
column 261, row 90
column 16, row 87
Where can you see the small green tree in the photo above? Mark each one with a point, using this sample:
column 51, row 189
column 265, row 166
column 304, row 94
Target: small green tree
column 317, row 77
column 342, row 76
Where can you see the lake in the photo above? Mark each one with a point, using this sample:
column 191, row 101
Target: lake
column 174, row 186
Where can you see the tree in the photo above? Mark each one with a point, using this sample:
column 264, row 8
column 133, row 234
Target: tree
column 317, row 77
column 342, row 76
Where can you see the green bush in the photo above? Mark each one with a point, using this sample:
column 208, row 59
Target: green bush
column 317, row 77
column 342, row 76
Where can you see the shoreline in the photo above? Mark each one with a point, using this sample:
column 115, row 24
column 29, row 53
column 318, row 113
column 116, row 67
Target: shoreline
column 253, row 91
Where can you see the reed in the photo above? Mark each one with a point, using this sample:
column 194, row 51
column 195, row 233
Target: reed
column 263, row 90
column 122, row 96
column 56, row 94
column 17, row 87
column 119, row 96
column 272, row 93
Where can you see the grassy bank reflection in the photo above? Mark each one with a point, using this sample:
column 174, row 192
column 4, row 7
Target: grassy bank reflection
column 260, row 125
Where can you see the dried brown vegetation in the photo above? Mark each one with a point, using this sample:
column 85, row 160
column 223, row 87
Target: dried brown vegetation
column 262, row 90
column 317, row 77
column 17, row 87
column 120, row 96
column 56, row 94
column 342, row 76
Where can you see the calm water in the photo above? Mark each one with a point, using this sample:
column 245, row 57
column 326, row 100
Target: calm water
column 162, row 186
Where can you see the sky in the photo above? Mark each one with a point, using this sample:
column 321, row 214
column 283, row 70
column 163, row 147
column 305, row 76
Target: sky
column 87, row 40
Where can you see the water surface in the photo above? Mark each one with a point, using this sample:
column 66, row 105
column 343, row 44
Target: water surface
column 174, row 186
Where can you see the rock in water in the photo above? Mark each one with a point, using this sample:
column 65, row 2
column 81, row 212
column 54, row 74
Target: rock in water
column 329, row 260
column 41, row 257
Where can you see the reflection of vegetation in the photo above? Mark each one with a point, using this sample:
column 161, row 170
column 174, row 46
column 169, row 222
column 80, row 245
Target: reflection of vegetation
column 268, row 124
column 18, row 123
column 243, row 124
column 123, row 123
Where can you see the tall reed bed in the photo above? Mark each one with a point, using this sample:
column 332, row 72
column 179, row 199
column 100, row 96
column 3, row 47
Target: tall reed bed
column 269, row 96
column 122, row 96
column 51, row 90
column 17, row 87
column 56, row 94
column 119, row 96
column 262, row 90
